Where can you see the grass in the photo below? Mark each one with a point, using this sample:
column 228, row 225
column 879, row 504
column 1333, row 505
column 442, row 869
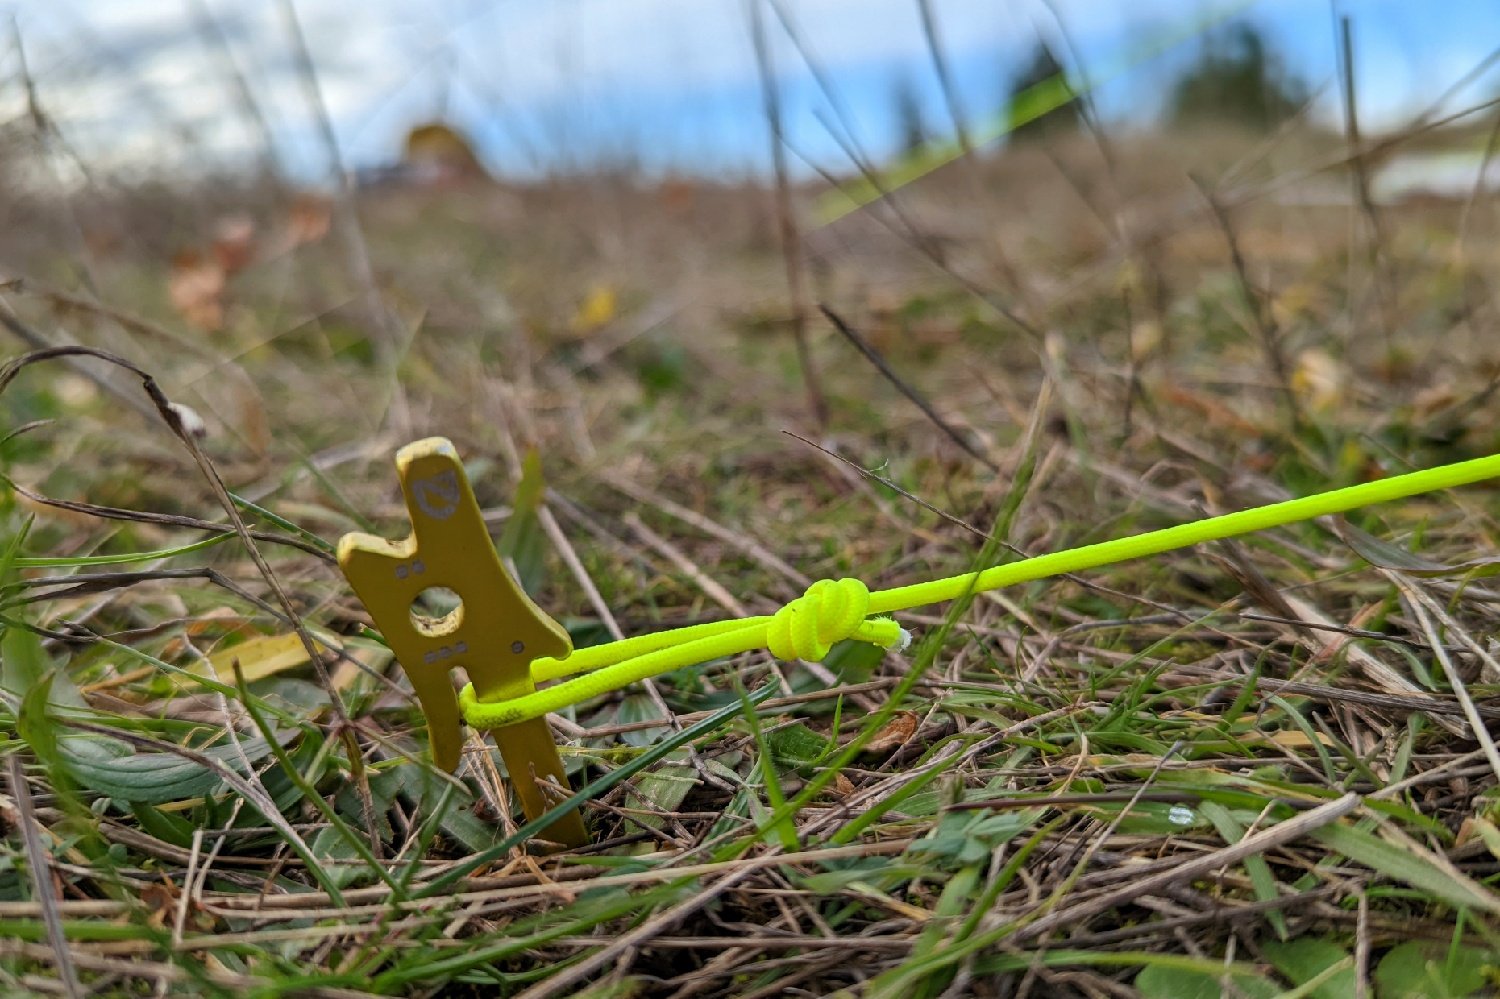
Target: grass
column 1251, row 768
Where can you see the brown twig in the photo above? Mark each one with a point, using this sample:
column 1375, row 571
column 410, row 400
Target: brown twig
column 165, row 519
column 791, row 239
column 1260, row 317
column 99, row 582
column 906, row 389
column 38, row 341
column 43, row 887
column 1374, row 245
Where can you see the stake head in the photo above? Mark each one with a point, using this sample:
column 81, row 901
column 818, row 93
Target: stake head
column 495, row 632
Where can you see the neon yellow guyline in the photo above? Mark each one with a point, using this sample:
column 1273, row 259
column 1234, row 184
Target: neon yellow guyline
column 831, row 611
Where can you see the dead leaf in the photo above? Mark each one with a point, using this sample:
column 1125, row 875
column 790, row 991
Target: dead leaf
column 1434, row 399
column 1212, row 410
column 196, row 289
column 598, row 309
column 1483, row 829
column 1145, row 337
column 1318, row 380
column 897, row 733
column 254, row 425
column 1297, row 739
column 261, row 656
column 308, row 220
column 1299, row 299
column 234, row 242
column 160, row 901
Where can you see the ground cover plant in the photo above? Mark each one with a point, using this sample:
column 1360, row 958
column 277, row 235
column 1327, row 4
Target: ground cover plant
column 1255, row 768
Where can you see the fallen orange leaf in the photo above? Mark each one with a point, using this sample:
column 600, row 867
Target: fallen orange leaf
column 196, row 289
column 897, row 733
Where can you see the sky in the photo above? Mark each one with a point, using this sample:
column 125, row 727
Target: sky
column 668, row 85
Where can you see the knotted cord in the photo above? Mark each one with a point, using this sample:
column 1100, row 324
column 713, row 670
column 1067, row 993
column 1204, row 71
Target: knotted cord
column 831, row 611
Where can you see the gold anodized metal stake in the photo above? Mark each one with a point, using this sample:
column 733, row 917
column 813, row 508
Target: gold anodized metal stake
column 494, row 633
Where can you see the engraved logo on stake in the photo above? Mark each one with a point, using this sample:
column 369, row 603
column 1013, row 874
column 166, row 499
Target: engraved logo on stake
column 438, row 496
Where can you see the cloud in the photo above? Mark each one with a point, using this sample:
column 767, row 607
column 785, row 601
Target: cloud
column 139, row 81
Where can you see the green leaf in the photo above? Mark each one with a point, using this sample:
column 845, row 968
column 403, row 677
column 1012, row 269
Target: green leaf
column 1419, row 969
column 126, row 558
column 385, row 785
column 291, row 695
column 969, row 837
column 629, row 987
column 23, row 663
column 784, row 828
column 796, row 745
column 1307, row 958
column 165, row 826
column 1152, row 818
column 35, row 726
column 879, row 872
column 1261, row 878
column 422, row 788
column 1160, row 981
column 1388, row 556
column 636, row 708
column 1400, row 864
column 108, row 767
column 853, row 662
column 309, row 758
column 667, row 786
column 957, row 897
column 333, row 851
column 468, row 829
column 522, row 544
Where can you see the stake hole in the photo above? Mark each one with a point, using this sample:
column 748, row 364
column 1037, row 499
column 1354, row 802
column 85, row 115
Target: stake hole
column 437, row 611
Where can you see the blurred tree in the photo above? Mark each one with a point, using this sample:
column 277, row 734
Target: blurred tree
column 1238, row 78
column 911, row 123
column 1041, row 101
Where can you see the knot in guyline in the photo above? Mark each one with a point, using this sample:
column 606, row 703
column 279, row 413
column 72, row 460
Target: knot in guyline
column 830, row 611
